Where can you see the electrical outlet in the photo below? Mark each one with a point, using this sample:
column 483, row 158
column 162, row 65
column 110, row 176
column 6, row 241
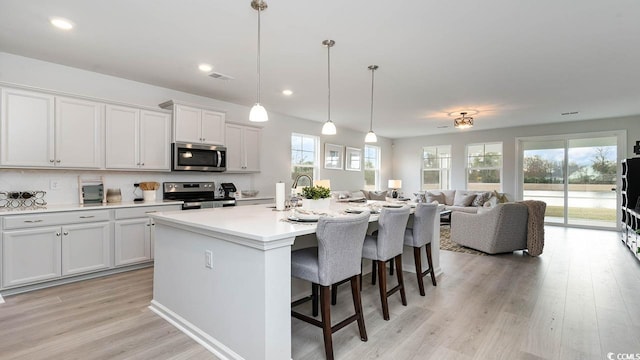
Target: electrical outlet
column 54, row 184
column 208, row 259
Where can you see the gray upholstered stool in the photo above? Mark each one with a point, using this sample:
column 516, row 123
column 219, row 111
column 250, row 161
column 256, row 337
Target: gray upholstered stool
column 387, row 245
column 336, row 258
column 419, row 235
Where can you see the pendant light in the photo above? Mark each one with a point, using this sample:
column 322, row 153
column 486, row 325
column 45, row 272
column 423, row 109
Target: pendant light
column 258, row 112
column 329, row 128
column 371, row 136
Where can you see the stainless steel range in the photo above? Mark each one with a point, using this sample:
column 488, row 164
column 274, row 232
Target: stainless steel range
column 196, row 195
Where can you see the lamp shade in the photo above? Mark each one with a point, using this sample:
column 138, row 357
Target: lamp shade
column 371, row 137
column 329, row 128
column 258, row 113
column 395, row 184
column 326, row 183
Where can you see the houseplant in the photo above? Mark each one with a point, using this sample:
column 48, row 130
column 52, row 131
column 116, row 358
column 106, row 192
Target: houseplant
column 315, row 197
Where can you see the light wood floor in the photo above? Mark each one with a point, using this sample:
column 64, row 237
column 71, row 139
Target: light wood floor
column 579, row 300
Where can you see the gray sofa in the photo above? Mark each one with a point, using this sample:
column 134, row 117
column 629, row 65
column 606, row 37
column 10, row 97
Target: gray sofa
column 500, row 229
column 463, row 200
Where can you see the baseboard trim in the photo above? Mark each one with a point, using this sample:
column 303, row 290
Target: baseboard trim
column 211, row 344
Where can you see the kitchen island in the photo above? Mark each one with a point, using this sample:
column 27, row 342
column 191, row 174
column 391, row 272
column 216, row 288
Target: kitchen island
column 223, row 276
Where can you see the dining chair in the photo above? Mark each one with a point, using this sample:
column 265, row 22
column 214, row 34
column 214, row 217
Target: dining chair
column 386, row 245
column 421, row 234
column 336, row 258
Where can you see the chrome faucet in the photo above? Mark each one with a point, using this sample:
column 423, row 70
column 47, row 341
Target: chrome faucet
column 295, row 182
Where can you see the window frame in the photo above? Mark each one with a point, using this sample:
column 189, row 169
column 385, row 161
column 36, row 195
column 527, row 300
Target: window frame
column 375, row 169
column 443, row 172
column 500, row 168
column 316, row 158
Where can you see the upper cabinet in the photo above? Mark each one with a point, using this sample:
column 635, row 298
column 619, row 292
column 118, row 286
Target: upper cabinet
column 42, row 130
column 196, row 125
column 243, row 148
column 137, row 139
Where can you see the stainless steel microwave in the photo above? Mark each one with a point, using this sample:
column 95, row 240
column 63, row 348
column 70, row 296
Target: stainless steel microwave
column 198, row 157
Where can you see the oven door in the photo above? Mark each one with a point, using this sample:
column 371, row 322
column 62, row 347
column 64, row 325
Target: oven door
column 195, row 157
column 201, row 205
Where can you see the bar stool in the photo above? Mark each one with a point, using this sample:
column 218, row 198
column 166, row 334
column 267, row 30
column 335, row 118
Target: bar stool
column 336, row 258
column 419, row 235
column 388, row 245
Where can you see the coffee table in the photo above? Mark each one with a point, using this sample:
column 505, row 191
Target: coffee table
column 445, row 217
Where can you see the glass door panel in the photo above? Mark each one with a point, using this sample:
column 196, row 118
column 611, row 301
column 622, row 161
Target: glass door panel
column 544, row 176
column 591, row 196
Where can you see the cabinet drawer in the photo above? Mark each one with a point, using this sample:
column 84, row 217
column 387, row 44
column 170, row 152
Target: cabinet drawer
column 142, row 211
column 61, row 218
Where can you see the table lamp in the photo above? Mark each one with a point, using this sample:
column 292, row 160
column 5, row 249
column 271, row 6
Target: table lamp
column 324, row 183
column 394, row 185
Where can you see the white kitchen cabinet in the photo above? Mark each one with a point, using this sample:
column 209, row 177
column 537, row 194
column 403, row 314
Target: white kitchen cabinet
column 133, row 233
column 78, row 132
column 31, row 255
column 137, row 139
column 196, row 125
column 42, row 130
column 85, row 248
column 243, row 148
column 27, row 129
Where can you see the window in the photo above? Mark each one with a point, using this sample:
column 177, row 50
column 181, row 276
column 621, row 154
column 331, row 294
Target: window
column 371, row 167
column 304, row 155
column 436, row 165
column 484, row 166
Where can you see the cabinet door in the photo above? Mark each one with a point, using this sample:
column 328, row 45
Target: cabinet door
column 85, row 248
column 132, row 241
column 27, row 129
column 155, row 140
column 251, row 145
column 235, row 156
column 30, row 255
column 213, row 127
column 78, row 133
column 187, row 124
column 122, row 137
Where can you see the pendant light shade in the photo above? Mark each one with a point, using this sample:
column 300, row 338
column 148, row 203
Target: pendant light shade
column 329, row 128
column 258, row 112
column 371, row 136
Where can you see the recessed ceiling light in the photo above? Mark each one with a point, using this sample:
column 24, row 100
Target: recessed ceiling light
column 205, row 67
column 61, row 23
column 287, row 92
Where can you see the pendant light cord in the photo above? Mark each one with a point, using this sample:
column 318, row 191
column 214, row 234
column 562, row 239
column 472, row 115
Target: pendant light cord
column 258, row 65
column 371, row 121
column 329, row 82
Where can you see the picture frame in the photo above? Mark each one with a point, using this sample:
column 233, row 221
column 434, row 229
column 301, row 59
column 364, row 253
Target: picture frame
column 333, row 156
column 353, row 159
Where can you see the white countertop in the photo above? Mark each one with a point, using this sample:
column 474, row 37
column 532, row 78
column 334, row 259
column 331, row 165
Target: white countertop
column 76, row 207
column 255, row 198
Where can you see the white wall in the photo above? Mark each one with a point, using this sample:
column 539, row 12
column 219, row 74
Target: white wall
column 275, row 147
column 407, row 152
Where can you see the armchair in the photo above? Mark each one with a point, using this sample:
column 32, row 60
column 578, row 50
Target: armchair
column 501, row 229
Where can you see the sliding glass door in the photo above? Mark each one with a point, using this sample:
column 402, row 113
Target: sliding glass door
column 575, row 175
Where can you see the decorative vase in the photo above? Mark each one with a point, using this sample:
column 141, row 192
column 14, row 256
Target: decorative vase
column 320, row 204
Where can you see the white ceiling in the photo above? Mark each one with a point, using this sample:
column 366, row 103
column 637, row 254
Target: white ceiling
column 515, row 62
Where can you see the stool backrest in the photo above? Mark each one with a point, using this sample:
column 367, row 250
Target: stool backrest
column 424, row 219
column 340, row 242
column 391, row 226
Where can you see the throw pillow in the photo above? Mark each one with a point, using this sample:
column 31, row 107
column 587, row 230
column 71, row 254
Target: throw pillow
column 502, row 198
column 377, row 195
column 366, row 194
column 431, row 197
column 480, row 199
column 463, row 199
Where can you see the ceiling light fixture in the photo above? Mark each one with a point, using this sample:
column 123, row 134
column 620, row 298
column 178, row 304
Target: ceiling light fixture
column 287, row 92
column 258, row 112
column 205, row 67
column 371, row 136
column 329, row 128
column 61, row 23
column 463, row 122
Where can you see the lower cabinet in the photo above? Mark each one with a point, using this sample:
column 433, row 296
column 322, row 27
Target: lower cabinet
column 132, row 241
column 31, row 255
column 85, row 248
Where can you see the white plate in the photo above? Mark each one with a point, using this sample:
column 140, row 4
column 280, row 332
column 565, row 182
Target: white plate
column 353, row 211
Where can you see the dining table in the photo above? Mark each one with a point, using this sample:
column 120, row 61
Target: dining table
column 223, row 276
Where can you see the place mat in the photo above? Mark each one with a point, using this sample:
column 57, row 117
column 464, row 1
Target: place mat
column 299, row 222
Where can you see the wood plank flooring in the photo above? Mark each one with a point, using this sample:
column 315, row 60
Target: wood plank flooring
column 579, row 300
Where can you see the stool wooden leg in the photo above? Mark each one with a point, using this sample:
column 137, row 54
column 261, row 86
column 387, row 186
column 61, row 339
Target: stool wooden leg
column 314, row 299
column 403, row 296
column 390, row 267
column 373, row 272
column 418, row 261
column 433, row 274
column 326, row 321
column 382, row 284
column 357, row 304
column 334, row 294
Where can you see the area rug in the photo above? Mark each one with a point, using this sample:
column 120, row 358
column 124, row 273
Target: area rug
column 447, row 244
